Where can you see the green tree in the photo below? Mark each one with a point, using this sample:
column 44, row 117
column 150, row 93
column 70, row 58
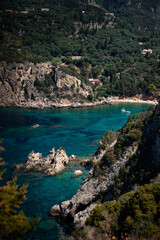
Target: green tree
column 13, row 222
column 152, row 88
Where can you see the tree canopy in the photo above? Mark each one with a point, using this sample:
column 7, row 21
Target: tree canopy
column 13, row 221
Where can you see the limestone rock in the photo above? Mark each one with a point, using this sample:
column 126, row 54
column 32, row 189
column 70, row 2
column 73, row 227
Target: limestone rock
column 72, row 157
column 18, row 88
column 33, row 160
column 77, row 173
column 55, row 211
column 81, row 217
column 54, row 163
column 60, row 160
column 35, row 126
column 90, row 190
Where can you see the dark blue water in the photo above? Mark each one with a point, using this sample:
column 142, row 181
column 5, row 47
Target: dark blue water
column 77, row 130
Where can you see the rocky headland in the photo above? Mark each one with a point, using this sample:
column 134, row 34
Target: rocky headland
column 116, row 152
column 42, row 85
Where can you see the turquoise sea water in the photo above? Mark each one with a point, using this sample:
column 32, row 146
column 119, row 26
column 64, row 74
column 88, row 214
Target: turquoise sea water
column 77, row 130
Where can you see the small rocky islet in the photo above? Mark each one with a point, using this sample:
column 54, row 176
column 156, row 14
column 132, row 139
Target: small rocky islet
column 54, row 163
column 113, row 153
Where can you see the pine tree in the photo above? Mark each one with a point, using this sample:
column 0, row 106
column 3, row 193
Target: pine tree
column 13, row 222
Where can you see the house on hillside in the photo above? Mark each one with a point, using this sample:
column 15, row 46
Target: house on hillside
column 44, row 9
column 94, row 81
column 144, row 51
column 76, row 57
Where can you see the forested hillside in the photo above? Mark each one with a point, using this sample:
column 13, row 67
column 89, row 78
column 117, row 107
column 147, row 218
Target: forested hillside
column 108, row 38
column 129, row 207
column 140, row 13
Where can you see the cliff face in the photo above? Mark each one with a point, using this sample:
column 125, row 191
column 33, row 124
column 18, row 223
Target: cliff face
column 18, row 86
column 129, row 206
column 123, row 161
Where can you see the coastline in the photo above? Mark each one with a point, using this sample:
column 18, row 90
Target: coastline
column 68, row 104
column 52, row 105
column 139, row 98
column 154, row 102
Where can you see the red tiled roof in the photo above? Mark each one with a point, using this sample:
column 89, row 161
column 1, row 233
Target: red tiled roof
column 95, row 80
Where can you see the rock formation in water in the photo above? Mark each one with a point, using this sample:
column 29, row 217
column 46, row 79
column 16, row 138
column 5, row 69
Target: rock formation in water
column 41, row 85
column 136, row 148
column 54, row 163
column 77, row 173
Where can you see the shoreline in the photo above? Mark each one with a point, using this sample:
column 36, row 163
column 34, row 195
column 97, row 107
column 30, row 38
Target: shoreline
column 42, row 105
column 109, row 101
column 154, row 102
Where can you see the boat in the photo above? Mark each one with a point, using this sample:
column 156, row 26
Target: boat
column 126, row 111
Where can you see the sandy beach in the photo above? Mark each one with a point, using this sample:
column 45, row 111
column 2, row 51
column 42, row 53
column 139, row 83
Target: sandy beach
column 134, row 101
column 131, row 100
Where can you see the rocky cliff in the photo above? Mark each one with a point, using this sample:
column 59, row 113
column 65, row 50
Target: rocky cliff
column 40, row 85
column 123, row 161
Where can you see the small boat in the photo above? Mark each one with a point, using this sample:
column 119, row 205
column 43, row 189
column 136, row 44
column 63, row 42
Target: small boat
column 126, row 111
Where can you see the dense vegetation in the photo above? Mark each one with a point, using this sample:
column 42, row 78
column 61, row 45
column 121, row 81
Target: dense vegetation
column 141, row 167
column 134, row 211
column 108, row 44
column 134, row 214
column 13, row 222
column 133, row 12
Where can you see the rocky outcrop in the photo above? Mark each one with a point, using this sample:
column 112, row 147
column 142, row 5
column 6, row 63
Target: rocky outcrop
column 80, row 206
column 34, row 126
column 55, row 211
column 54, row 163
column 104, row 144
column 25, row 85
column 77, row 173
column 17, row 82
column 60, row 161
column 81, row 217
column 140, row 156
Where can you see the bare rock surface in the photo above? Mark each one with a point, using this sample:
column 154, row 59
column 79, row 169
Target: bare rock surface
column 54, row 163
column 81, row 217
column 60, row 161
column 55, row 211
column 77, row 173
column 18, row 87
column 78, row 208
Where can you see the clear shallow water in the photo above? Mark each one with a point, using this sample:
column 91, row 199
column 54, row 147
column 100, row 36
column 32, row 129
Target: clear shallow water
column 77, row 130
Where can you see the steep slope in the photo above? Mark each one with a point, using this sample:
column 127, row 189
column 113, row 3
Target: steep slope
column 127, row 159
column 41, row 85
column 140, row 13
column 109, row 45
